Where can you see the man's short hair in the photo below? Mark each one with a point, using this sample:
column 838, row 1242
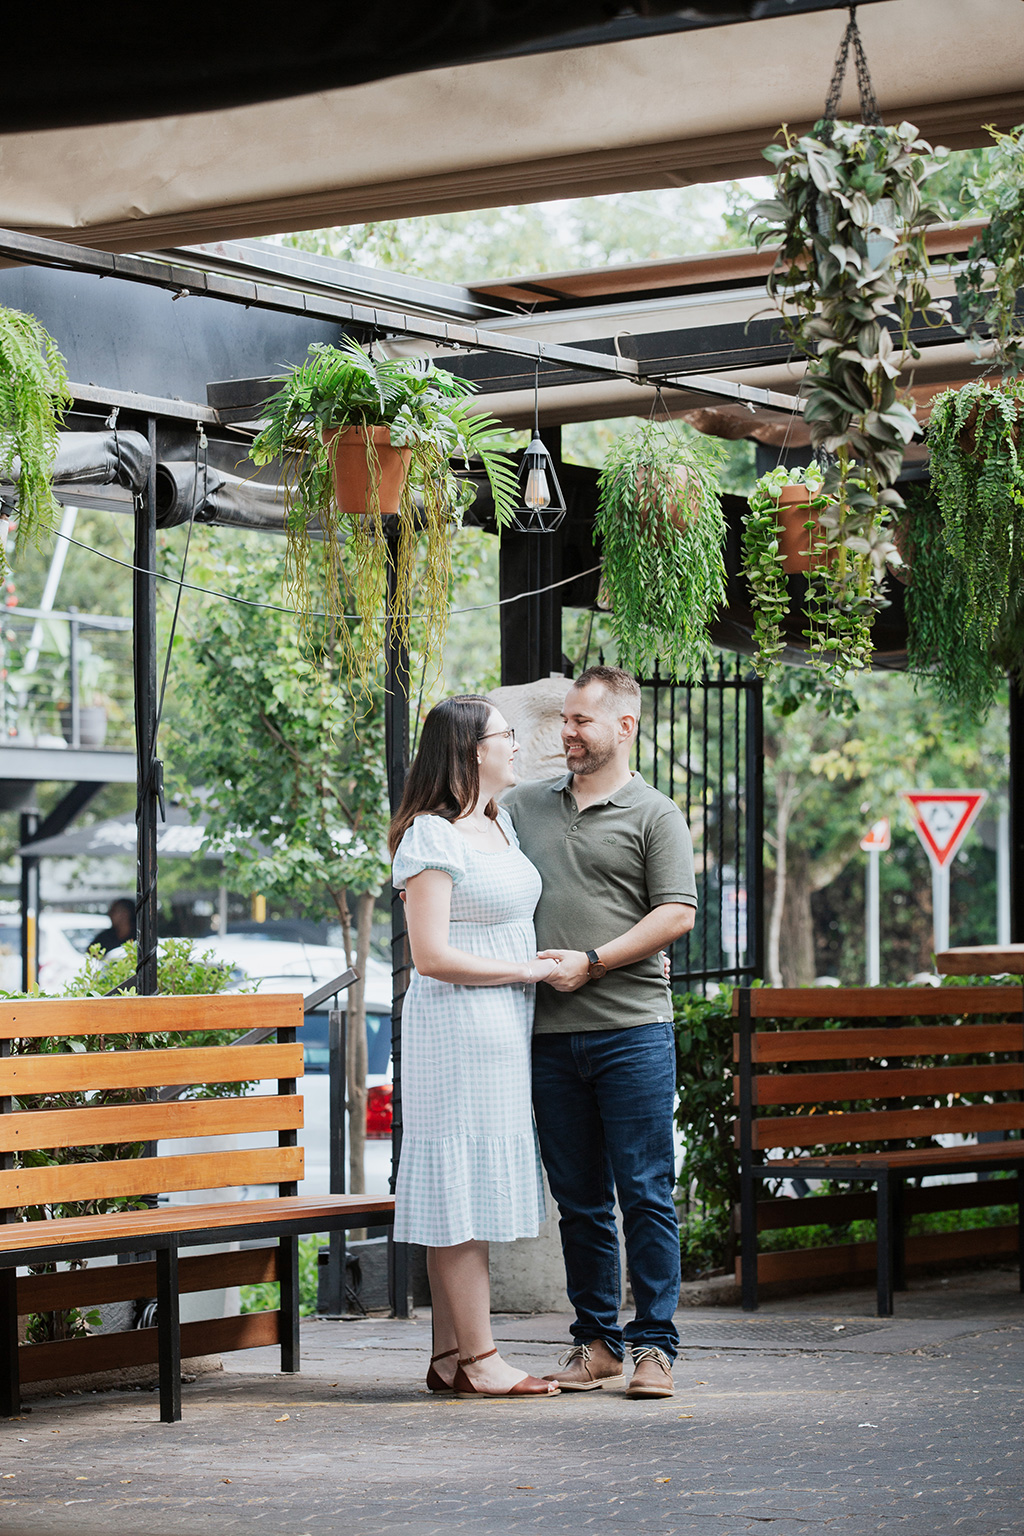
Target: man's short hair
column 621, row 686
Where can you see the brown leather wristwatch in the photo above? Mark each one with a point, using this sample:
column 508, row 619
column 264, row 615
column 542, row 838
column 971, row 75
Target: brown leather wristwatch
column 597, row 967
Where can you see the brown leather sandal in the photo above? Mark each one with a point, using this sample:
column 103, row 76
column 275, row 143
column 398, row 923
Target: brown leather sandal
column 530, row 1386
column 435, row 1381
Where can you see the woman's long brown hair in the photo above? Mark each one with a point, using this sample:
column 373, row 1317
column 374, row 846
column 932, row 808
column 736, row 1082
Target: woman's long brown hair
column 444, row 777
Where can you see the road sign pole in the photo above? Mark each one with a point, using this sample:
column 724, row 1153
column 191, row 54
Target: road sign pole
column 871, row 920
column 940, row 905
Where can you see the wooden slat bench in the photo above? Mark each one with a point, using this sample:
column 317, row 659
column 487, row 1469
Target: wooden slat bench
column 879, row 1064
column 148, row 1116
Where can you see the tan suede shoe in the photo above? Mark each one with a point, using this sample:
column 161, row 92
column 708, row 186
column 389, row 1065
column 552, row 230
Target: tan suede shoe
column 652, row 1375
column 586, row 1366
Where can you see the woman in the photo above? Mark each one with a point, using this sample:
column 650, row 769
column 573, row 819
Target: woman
column 470, row 1169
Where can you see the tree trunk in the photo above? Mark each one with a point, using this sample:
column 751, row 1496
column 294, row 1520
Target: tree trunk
column 355, row 1066
column 797, row 965
column 786, row 796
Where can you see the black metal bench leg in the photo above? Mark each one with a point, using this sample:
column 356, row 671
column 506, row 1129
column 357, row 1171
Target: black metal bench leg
column 748, row 1243
column 288, row 1274
column 168, row 1332
column 1020, row 1224
column 10, row 1374
column 899, row 1237
column 884, row 1246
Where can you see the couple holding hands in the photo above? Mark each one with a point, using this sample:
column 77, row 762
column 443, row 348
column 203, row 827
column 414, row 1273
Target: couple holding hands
column 537, row 914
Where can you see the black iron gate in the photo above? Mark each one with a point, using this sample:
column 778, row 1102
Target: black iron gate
column 702, row 745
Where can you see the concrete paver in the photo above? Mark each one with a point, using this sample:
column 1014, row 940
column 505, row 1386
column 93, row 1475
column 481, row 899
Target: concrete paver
column 811, row 1415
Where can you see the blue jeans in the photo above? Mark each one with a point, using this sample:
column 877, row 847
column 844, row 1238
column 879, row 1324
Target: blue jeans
column 603, row 1101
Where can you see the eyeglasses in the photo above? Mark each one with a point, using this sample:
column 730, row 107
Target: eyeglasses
column 509, row 735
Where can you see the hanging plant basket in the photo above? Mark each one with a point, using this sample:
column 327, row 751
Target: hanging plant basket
column 368, row 473
column 974, row 436
column 363, row 439
column 662, row 534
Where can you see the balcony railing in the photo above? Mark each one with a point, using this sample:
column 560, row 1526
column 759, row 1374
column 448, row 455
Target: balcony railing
column 65, row 679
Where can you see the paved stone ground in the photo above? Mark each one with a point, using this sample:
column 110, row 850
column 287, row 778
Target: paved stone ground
column 811, row 1416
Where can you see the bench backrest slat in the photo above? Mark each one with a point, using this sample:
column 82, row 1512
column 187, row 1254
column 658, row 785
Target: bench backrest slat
column 37, row 1018
column 33, row 1130
column 23, row 1075
column 856, row 1043
column 884, row 1125
column 47, row 1102
column 878, row 1002
column 143, row 1175
column 893, row 1083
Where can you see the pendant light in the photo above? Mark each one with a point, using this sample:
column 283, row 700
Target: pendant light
column 540, row 505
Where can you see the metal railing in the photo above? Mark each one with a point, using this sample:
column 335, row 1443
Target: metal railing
column 702, row 745
column 65, row 679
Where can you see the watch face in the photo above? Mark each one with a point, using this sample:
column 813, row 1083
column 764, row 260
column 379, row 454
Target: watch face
column 597, row 970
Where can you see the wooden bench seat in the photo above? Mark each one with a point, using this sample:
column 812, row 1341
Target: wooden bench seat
column 48, row 1104
column 900, row 1084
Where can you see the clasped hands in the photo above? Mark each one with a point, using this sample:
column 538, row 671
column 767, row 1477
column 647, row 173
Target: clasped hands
column 569, row 969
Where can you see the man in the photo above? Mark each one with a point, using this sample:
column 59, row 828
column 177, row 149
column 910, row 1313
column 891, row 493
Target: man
column 617, row 864
column 122, row 925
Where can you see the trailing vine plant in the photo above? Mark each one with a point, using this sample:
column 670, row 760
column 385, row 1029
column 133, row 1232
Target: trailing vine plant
column 961, row 663
column 33, row 398
column 763, row 557
column 975, row 440
column 662, row 531
column 850, row 278
column 346, row 555
column 994, row 271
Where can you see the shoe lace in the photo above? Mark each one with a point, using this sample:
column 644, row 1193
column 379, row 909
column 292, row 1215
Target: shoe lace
column 651, row 1352
column 575, row 1352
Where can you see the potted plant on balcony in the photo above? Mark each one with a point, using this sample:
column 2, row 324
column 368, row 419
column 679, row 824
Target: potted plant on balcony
column 33, row 398
column 662, row 533
column 361, row 439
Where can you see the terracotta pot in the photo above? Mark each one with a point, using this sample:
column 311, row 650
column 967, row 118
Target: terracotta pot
column 684, row 507
column 794, row 538
column 969, row 430
column 354, row 470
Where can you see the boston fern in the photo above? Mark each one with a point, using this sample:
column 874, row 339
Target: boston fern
column 426, row 411
column 662, row 532
column 978, row 475
column 33, row 398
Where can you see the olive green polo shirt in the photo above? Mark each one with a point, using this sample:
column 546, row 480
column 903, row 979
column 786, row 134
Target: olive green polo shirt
column 603, row 870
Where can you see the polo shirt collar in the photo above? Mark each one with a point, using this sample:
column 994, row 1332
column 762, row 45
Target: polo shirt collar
column 626, row 795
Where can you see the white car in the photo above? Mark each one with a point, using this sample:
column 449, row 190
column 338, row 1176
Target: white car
column 64, row 938
column 274, row 966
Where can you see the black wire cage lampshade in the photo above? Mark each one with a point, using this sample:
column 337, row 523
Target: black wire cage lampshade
column 540, row 505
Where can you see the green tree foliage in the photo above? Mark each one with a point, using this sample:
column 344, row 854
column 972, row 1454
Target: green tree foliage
column 287, row 774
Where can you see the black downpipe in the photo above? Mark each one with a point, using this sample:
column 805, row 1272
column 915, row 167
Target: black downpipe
column 1016, row 811
column 149, row 777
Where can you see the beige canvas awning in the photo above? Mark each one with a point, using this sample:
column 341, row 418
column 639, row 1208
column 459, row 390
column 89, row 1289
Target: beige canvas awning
column 656, row 112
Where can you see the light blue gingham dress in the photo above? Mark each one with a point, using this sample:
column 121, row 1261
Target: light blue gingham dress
column 470, row 1164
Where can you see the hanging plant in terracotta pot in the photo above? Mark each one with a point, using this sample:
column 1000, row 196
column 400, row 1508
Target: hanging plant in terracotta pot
column 362, row 439
column 662, row 534
column 780, row 533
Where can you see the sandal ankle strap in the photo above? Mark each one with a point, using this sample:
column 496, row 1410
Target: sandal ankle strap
column 447, row 1352
column 472, row 1359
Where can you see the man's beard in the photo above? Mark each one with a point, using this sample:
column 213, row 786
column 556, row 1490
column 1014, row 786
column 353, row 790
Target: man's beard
column 591, row 761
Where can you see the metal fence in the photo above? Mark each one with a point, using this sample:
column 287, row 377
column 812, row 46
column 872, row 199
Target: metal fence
column 702, row 745
column 65, row 679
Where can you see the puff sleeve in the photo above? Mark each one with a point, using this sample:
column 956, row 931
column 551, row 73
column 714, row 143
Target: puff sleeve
column 430, row 843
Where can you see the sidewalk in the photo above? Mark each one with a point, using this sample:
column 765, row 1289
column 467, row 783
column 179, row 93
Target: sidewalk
column 810, row 1415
